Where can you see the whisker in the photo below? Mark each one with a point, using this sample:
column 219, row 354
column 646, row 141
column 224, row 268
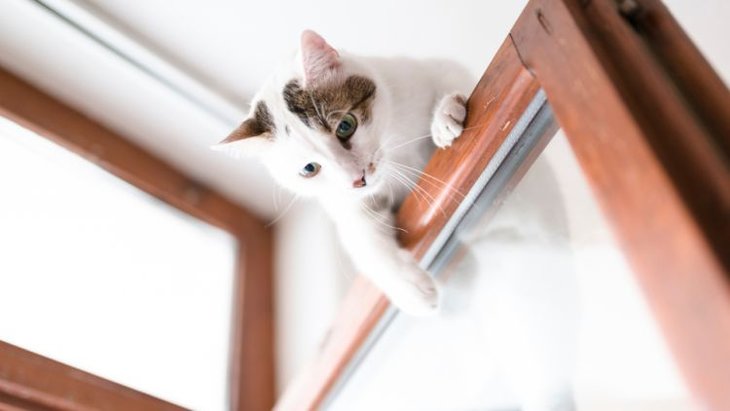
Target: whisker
column 390, row 190
column 451, row 195
column 407, row 142
column 423, row 191
column 416, row 189
column 378, row 218
column 385, row 147
column 418, row 195
column 428, row 176
column 286, row 210
column 277, row 196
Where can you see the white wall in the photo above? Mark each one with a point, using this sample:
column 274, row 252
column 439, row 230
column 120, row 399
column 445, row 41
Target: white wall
column 312, row 276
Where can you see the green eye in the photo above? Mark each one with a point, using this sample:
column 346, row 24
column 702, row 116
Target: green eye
column 347, row 127
column 310, row 170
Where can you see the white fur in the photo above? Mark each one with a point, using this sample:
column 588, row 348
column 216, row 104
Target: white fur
column 420, row 105
column 448, row 120
column 397, row 140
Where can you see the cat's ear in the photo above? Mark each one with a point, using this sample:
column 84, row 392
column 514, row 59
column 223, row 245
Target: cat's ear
column 251, row 138
column 319, row 59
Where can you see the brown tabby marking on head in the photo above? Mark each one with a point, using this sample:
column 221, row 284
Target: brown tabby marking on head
column 316, row 106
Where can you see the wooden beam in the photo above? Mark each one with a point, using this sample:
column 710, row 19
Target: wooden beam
column 648, row 119
column 251, row 373
column 251, row 369
column 688, row 70
column 31, row 382
column 494, row 107
column 53, row 119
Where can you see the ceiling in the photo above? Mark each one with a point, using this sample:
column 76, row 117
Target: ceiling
column 175, row 77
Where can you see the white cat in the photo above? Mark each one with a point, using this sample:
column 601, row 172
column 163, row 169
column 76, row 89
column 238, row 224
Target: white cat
column 354, row 132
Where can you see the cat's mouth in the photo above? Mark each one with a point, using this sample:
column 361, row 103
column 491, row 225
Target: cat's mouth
column 367, row 184
column 368, row 181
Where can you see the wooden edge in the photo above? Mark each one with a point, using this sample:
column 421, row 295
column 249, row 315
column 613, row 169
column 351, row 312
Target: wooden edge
column 649, row 161
column 251, row 364
column 31, row 381
column 494, row 107
column 690, row 71
column 51, row 118
column 251, row 370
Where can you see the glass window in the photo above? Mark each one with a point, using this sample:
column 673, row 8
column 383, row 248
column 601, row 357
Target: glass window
column 103, row 277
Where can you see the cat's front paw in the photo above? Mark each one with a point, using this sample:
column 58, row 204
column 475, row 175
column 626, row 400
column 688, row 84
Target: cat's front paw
column 415, row 291
column 448, row 120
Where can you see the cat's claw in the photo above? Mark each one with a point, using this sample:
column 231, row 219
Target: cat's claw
column 448, row 120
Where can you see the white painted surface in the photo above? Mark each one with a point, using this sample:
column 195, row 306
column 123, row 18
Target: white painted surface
column 312, row 277
column 105, row 278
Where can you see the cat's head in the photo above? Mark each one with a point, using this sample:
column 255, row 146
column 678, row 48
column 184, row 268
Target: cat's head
column 318, row 125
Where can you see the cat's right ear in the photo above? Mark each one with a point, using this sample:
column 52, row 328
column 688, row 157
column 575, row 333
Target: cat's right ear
column 252, row 137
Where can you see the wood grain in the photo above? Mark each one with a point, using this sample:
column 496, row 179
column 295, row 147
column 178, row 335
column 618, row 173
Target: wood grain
column 50, row 118
column 653, row 163
column 251, row 369
column 30, row 381
column 707, row 94
column 500, row 98
column 494, row 107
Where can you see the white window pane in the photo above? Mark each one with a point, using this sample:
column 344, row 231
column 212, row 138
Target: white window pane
column 101, row 276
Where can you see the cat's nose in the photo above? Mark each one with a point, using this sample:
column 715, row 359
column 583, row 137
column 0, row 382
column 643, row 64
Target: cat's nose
column 360, row 182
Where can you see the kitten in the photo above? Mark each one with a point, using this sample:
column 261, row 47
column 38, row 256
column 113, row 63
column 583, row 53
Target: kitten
column 354, row 132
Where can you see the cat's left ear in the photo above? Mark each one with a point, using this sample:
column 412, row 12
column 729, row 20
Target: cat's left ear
column 251, row 138
column 319, row 59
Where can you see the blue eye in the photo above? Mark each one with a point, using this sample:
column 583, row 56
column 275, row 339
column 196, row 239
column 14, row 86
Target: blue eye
column 347, row 127
column 310, row 170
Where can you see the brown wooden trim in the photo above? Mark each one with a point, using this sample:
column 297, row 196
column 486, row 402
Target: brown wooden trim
column 703, row 88
column 31, row 381
column 38, row 111
column 499, row 99
column 494, row 107
column 654, row 162
column 251, row 374
column 252, row 363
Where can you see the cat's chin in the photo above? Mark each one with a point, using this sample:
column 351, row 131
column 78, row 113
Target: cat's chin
column 365, row 192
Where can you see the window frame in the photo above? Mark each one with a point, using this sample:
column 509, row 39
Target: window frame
column 52, row 385
column 649, row 122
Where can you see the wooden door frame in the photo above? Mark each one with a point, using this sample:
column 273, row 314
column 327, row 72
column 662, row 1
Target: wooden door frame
column 34, row 381
column 648, row 120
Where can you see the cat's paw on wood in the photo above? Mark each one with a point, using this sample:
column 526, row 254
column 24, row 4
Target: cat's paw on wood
column 414, row 291
column 448, row 120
